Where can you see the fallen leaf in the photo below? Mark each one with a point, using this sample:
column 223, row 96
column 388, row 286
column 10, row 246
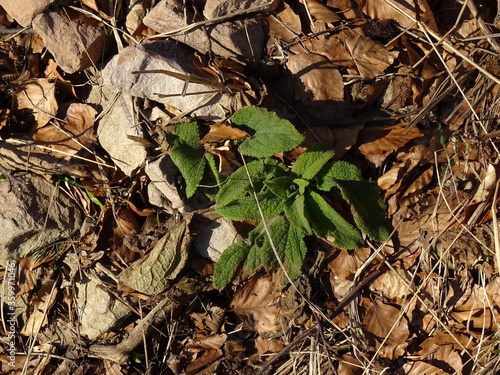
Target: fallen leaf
column 378, row 142
column 150, row 274
column 256, row 303
column 370, row 56
column 38, row 97
column 315, row 78
column 383, row 322
column 72, row 134
column 382, row 9
column 220, row 133
column 41, row 308
column 268, row 345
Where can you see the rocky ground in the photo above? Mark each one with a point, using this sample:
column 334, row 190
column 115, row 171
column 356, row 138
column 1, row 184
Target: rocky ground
column 108, row 252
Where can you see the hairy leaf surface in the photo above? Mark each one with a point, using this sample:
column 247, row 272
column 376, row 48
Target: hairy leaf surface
column 311, row 161
column 325, row 221
column 272, row 133
column 228, row 263
column 246, row 208
column 187, row 154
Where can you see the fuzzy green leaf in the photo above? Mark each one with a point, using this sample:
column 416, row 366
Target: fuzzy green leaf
column 367, row 207
column 246, row 208
column 272, row 133
column 187, row 154
column 282, row 186
column 325, row 221
column 288, row 242
column 238, row 184
column 228, row 263
column 294, row 211
column 310, row 162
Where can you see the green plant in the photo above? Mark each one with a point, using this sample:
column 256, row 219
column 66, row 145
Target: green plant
column 316, row 196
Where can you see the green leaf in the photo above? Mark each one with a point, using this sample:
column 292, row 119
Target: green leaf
column 187, row 155
column 238, row 185
column 311, row 161
column 246, row 208
column 282, row 186
column 228, row 263
column 212, row 166
column 367, row 207
column 325, row 221
column 294, row 211
column 272, row 133
column 288, row 242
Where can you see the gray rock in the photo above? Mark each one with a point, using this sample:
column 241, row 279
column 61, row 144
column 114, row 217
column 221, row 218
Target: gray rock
column 173, row 57
column 215, row 238
column 218, row 8
column 117, row 123
column 23, row 11
column 99, row 311
column 242, row 39
column 75, row 44
column 33, row 216
column 163, row 175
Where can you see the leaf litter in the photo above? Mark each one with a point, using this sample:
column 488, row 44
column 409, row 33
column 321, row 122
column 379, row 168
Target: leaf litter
column 407, row 91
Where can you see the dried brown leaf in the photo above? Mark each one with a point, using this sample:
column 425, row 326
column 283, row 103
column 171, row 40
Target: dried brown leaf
column 41, row 307
column 370, row 56
column 315, row 78
column 38, row 97
column 285, row 24
column 220, row 133
column 383, row 321
column 201, row 342
column 383, row 10
column 378, row 142
column 268, row 345
column 257, row 304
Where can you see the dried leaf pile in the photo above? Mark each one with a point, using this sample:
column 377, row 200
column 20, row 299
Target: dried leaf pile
column 406, row 90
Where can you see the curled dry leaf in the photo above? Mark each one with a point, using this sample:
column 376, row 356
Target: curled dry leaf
column 285, row 24
column 72, row 134
column 38, row 97
column 479, row 208
column 404, row 13
column 320, row 14
column 371, row 57
column 41, row 307
column 315, row 78
column 219, row 133
column 378, row 142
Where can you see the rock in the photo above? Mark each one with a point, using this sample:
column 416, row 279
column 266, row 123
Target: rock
column 163, row 175
column 23, row 11
column 117, row 123
column 218, row 8
column 99, row 311
column 34, row 216
column 173, row 57
column 243, row 39
column 75, row 43
column 215, row 238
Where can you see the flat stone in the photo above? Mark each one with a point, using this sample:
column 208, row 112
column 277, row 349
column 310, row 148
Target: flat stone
column 75, row 43
column 216, row 237
column 100, row 312
column 243, row 39
column 23, row 11
column 117, row 123
column 34, row 216
column 177, row 59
